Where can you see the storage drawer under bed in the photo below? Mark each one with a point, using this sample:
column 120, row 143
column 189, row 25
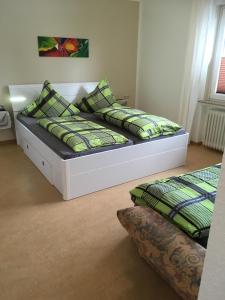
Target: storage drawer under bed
column 40, row 162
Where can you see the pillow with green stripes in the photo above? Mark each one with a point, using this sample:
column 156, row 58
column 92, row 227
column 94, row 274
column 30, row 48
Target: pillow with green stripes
column 31, row 107
column 82, row 105
column 186, row 200
column 101, row 97
column 50, row 104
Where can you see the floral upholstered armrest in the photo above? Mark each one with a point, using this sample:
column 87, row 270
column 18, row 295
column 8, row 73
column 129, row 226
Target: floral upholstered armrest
column 178, row 259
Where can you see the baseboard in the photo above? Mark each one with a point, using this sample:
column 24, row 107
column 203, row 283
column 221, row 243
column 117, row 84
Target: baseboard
column 196, row 143
column 8, row 142
column 7, row 135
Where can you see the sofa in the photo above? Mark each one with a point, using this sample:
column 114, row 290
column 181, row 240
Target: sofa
column 168, row 250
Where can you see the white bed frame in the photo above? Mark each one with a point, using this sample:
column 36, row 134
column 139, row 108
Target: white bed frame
column 82, row 175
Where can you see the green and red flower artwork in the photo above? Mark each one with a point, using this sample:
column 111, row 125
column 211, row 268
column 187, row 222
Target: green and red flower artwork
column 62, row 47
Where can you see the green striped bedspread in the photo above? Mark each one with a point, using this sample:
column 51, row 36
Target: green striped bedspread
column 80, row 134
column 137, row 122
column 186, row 200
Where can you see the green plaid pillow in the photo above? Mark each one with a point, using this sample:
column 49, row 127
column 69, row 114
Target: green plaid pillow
column 31, row 107
column 101, row 97
column 138, row 122
column 50, row 104
column 186, row 200
column 82, row 105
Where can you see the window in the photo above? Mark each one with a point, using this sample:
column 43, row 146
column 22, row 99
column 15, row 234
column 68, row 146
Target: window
column 218, row 71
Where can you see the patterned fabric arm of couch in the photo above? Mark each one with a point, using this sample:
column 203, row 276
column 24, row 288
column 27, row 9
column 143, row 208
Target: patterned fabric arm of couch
column 178, row 259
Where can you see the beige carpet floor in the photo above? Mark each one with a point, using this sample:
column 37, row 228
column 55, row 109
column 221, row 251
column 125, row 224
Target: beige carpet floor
column 53, row 249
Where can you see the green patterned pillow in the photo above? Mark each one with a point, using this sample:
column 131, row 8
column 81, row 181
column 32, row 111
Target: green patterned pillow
column 186, row 200
column 101, row 97
column 82, row 105
column 50, row 104
column 31, row 107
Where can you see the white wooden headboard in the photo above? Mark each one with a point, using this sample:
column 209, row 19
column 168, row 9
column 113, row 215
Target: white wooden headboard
column 22, row 95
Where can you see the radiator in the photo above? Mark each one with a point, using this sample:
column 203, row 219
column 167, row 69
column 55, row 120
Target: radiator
column 214, row 136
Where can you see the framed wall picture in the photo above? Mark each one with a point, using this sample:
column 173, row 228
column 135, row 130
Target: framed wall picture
column 62, row 47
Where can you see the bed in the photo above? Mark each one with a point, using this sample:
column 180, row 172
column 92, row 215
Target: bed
column 74, row 176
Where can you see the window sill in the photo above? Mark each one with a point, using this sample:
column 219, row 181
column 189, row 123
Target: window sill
column 213, row 102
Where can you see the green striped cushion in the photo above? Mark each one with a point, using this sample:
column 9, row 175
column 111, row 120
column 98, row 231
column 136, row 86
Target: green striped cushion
column 28, row 110
column 80, row 134
column 50, row 104
column 101, row 97
column 186, row 200
column 81, row 104
column 138, row 122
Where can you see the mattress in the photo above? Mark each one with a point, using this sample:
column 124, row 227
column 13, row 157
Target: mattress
column 64, row 151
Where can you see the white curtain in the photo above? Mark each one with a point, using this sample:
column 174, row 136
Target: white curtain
column 199, row 53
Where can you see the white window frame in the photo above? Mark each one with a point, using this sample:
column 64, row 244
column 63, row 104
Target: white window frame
column 220, row 36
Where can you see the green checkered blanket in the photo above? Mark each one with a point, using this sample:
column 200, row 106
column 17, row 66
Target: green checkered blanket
column 80, row 134
column 186, row 200
column 139, row 123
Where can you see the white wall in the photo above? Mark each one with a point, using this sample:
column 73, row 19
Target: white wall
column 163, row 39
column 111, row 26
column 213, row 278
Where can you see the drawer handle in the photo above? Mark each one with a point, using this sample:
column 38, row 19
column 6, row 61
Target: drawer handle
column 43, row 163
